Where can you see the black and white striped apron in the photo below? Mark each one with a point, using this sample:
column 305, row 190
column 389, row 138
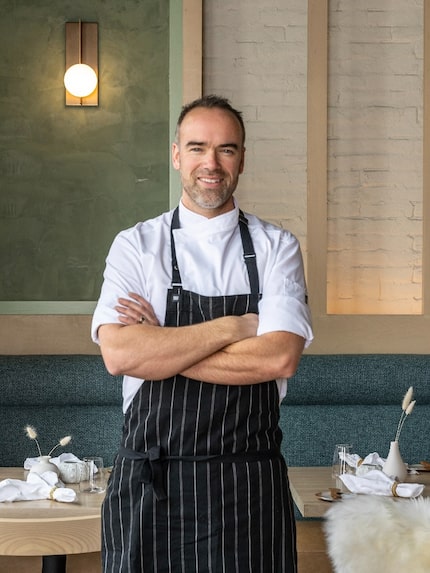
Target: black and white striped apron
column 199, row 484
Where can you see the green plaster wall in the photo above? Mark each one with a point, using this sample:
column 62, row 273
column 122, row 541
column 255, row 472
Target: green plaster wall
column 71, row 178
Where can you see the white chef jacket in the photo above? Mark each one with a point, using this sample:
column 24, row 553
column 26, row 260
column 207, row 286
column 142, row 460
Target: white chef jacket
column 210, row 259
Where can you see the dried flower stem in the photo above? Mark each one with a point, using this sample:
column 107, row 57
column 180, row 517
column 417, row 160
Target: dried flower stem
column 403, row 417
column 32, row 434
column 63, row 442
column 407, row 407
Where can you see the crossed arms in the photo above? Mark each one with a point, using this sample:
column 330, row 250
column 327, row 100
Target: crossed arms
column 225, row 350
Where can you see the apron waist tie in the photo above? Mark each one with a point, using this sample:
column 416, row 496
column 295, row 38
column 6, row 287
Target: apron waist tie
column 152, row 469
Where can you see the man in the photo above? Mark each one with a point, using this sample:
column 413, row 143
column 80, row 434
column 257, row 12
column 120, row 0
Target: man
column 203, row 310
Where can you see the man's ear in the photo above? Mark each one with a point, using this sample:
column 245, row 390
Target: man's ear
column 175, row 156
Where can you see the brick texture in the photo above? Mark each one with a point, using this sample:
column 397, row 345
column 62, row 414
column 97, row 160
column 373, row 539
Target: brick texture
column 255, row 53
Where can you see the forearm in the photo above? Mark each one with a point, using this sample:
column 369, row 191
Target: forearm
column 251, row 361
column 156, row 353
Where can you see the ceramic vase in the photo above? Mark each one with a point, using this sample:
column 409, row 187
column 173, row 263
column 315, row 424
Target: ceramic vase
column 394, row 465
column 44, row 464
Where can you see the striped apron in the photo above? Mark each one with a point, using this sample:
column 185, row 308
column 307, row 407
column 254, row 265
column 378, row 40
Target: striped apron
column 199, row 484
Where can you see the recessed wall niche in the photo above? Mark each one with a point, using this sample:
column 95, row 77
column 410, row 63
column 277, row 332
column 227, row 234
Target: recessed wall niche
column 375, row 157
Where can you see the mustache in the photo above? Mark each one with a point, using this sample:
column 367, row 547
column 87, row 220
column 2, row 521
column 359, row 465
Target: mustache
column 209, row 173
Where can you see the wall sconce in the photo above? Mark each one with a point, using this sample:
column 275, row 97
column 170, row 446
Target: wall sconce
column 80, row 79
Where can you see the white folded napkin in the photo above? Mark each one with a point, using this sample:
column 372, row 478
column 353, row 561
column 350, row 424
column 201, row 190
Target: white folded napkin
column 376, row 482
column 355, row 461
column 65, row 457
column 37, row 486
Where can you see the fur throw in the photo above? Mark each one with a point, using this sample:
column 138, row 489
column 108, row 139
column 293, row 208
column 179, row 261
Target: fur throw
column 376, row 534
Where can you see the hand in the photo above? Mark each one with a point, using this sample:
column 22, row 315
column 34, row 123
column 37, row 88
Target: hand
column 248, row 324
column 136, row 311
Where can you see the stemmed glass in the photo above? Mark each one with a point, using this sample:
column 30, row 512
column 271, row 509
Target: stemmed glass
column 340, row 465
column 96, row 482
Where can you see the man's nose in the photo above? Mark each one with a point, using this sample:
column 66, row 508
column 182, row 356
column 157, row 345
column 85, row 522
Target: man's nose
column 211, row 159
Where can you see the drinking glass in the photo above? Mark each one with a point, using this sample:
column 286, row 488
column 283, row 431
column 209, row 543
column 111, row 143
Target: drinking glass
column 340, row 466
column 96, row 480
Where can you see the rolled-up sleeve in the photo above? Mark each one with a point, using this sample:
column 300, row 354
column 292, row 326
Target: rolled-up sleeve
column 285, row 313
column 283, row 305
column 122, row 274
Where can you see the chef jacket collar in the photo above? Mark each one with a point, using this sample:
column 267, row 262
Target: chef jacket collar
column 190, row 220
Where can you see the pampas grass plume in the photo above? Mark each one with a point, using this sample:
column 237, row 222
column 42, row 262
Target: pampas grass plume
column 32, row 434
column 407, row 399
column 63, row 442
column 410, row 408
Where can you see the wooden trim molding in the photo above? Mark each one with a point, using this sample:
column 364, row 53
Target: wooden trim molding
column 192, row 49
column 426, row 164
column 317, row 153
column 46, row 334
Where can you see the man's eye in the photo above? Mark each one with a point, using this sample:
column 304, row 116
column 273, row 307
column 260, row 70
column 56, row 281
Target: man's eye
column 227, row 151
column 196, row 149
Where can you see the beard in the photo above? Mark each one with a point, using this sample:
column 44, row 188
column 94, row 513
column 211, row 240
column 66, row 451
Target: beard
column 210, row 198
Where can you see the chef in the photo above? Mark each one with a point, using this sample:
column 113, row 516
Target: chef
column 203, row 311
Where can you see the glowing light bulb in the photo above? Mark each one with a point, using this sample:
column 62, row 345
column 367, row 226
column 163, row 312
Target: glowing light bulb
column 80, row 80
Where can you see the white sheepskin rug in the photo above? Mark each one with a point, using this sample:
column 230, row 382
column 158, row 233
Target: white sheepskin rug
column 376, row 534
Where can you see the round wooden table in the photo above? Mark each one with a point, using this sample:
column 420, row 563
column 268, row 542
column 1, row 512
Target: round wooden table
column 49, row 528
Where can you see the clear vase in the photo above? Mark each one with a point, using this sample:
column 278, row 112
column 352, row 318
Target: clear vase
column 44, row 464
column 394, row 465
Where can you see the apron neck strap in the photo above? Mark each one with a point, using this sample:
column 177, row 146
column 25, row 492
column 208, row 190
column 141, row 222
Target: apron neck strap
column 249, row 255
column 176, row 275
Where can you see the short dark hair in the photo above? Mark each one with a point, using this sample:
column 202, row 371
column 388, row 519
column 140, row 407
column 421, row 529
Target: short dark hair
column 210, row 102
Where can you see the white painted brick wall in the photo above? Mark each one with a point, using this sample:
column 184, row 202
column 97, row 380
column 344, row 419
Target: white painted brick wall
column 255, row 53
column 375, row 156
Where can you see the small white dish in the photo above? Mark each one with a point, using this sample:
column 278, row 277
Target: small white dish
column 418, row 467
column 333, row 495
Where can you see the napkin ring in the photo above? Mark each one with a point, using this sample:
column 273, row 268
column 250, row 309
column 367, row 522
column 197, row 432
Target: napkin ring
column 51, row 493
column 394, row 489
